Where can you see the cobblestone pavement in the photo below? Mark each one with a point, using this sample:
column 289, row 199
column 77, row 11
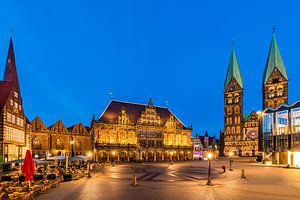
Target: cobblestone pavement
column 183, row 181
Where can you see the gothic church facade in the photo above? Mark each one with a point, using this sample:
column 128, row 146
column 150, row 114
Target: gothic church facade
column 242, row 134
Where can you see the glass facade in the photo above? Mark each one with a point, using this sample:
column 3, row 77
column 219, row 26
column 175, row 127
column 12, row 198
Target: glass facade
column 268, row 123
column 282, row 122
column 295, row 120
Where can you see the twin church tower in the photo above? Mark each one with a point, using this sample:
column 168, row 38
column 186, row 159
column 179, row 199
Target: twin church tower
column 241, row 131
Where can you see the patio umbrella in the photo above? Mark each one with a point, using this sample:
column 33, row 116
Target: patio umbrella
column 57, row 158
column 28, row 167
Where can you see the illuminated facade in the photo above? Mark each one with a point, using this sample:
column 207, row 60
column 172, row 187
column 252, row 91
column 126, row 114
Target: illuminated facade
column 15, row 132
column 58, row 139
column 242, row 132
column 130, row 131
column 281, row 129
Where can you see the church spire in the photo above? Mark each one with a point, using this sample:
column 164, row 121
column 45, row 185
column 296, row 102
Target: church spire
column 10, row 73
column 274, row 61
column 150, row 104
column 233, row 70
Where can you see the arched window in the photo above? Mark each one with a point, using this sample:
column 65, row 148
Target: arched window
column 230, row 120
column 228, row 130
column 232, row 130
column 236, row 110
column 271, row 92
column 239, row 119
column 235, row 120
column 36, row 143
column 238, row 130
column 59, row 144
column 280, row 90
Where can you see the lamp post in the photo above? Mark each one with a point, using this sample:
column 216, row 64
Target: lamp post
column 209, row 156
column 72, row 146
column 113, row 161
column 89, row 163
column 230, row 161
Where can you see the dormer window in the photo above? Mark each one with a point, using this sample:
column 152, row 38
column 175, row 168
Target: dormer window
column 11, row 102
column 16, row 94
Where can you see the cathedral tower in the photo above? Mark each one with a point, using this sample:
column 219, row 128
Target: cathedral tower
column 275, row 79
column 233, row 105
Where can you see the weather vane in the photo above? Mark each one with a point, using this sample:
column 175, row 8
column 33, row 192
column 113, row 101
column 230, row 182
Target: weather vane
column 11, row 31
column 110, row 95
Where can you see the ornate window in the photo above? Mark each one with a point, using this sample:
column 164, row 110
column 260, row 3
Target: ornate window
column 59, row 144
column 236, row 110
column 36, row 143
column 232, row 130
column 228, row 130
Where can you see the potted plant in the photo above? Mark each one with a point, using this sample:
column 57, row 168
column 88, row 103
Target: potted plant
column 67, row 177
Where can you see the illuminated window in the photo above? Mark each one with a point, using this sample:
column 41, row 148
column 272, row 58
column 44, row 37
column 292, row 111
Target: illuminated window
column 16, row 105
column 8, row 116
column 13, row 119
column 16, row 94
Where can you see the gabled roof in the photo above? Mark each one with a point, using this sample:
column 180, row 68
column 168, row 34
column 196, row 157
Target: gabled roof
column 274, row 61
column 233, row 71
column 58, row 127
column 247, row 116
column 38, row 124
column 78, row 128
column 5, row 90
column 134, row 110
column 10, row 73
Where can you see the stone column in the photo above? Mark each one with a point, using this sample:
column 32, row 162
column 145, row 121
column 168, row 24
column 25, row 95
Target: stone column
column 162, row 156
column 146, row 156
column 141, row 154
column 178, row 155
column 118, row 158
column 128, row 158
column 154, row 156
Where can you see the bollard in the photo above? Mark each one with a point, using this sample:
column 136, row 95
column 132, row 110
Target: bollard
column 243, row 174
column 224, row 169
column 209, row 182
column 134, row 183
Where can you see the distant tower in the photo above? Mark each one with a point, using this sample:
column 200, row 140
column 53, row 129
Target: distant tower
column 275, row 79
column 233, row 104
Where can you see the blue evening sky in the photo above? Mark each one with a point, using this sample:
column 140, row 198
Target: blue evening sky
column 71, row 54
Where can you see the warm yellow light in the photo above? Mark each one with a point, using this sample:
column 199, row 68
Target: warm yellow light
column 49, row 154
column 258, row 112
column 171, row 153
column 72, row 142
column 209, row 155
column 230, row 153
column 113, row 153
column 36, row 156
column 89, row 154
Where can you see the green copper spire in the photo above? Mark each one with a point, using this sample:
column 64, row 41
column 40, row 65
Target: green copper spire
column 274, row 61
column 233, row 71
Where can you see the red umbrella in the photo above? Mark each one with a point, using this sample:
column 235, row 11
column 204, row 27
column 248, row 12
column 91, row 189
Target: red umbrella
column 28, row 166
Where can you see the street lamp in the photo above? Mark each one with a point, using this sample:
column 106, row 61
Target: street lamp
column 72, row 146
column 171, row 157
column 89, row 163
column 36, row 156
column 209, row 156
column 114, row 154
column 230, row 161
